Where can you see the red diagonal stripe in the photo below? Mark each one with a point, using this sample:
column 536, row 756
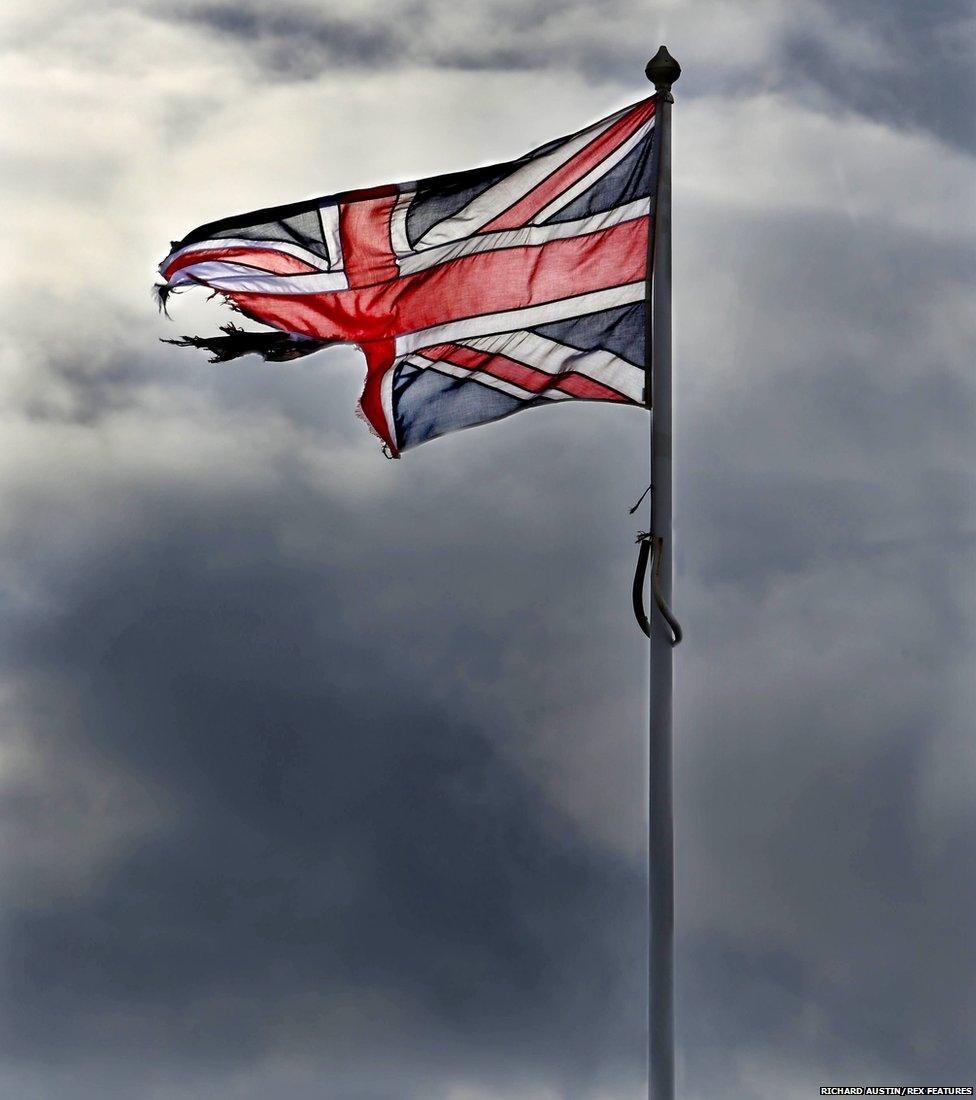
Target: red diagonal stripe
column 483, row 283
column 263, row 259
column 567, row 174
column 519, row 374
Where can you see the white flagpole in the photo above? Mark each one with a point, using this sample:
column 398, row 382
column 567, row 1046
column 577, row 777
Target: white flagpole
column 662, row 71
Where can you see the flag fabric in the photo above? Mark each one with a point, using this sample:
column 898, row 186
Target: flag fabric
column 473, row 295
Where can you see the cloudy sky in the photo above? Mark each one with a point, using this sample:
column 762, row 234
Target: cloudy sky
column 322, row 776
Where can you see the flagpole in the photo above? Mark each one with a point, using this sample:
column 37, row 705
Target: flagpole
column 662, row 70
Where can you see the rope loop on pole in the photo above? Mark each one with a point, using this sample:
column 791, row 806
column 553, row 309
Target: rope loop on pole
column 641, row 499
column 652, row 547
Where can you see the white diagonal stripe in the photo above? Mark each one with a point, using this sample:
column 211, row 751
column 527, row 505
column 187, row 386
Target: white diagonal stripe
column 594, row 174
column 489, row 204
column 286, row 247
column 329, row 218
column 398, row 223
column 509, row 320
column 485, row 379
column 554, row 358
column 238, row 277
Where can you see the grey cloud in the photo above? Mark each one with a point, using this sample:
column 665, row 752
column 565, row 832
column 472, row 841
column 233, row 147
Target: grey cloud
column 858, row 450
column 826, row 510
column 296, row 42
column 915, row 69
column 338, row 825
column 923, row 79
column 292, row 42
column 324, row 772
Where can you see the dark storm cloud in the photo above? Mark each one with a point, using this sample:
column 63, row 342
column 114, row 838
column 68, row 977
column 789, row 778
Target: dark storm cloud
column 294, row 40
column 338, row 818
column 324, row 772
column 878, row 975
column 299, row 42
column 835, row 426
column 827, row 509
column 290, row 41
column 914, row 69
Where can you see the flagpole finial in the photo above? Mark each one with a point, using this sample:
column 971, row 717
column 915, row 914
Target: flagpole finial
column 662, row 71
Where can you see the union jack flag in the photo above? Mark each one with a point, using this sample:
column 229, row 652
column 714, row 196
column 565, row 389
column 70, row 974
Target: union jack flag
column 472, row 295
